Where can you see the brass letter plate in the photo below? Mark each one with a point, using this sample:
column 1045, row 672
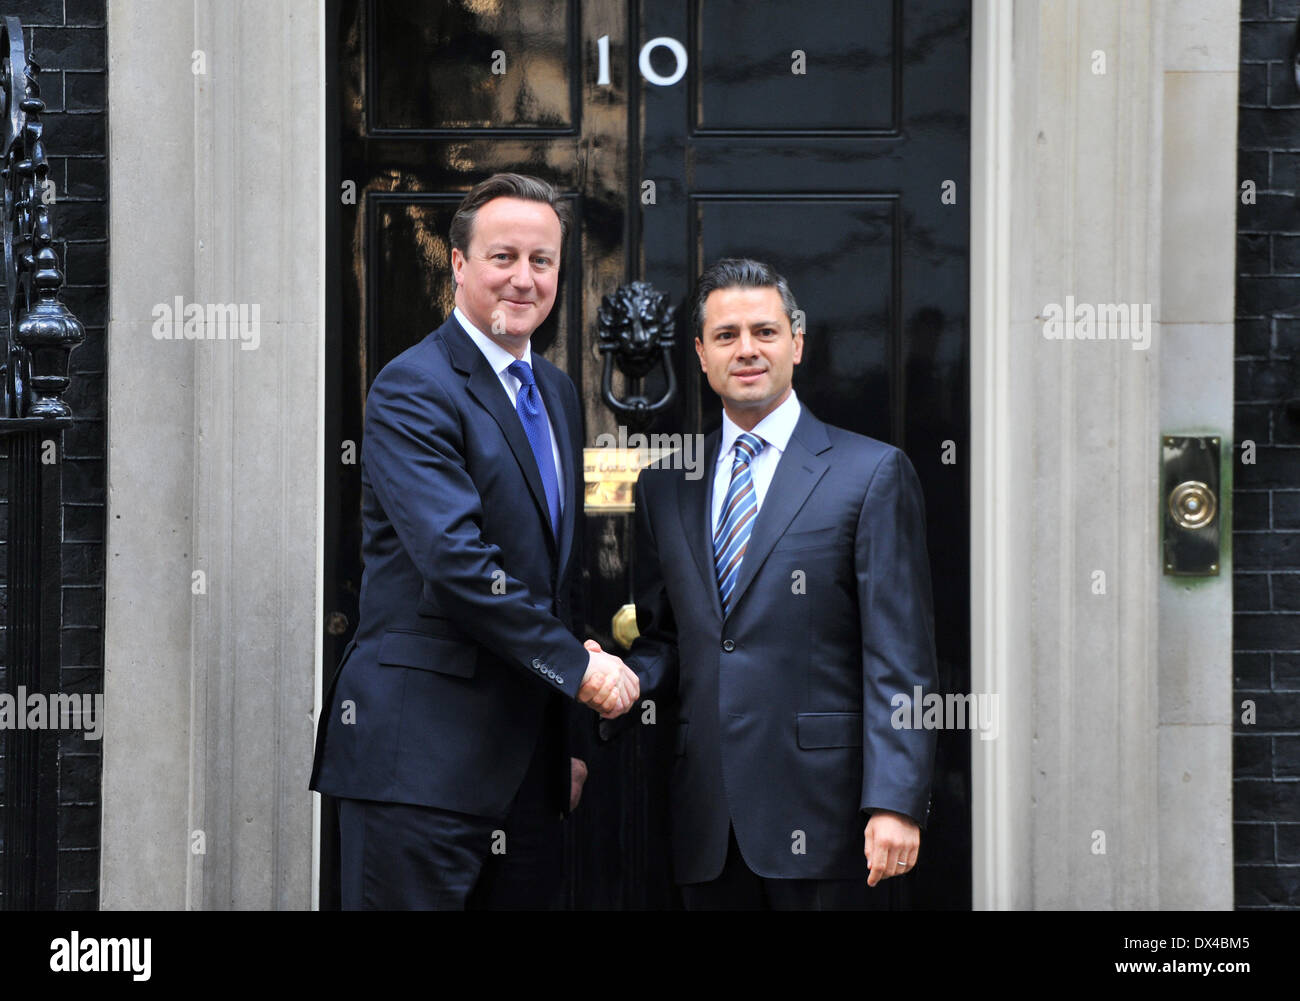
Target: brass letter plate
column 610, row 476
column 1191, row 505
column 609, row 473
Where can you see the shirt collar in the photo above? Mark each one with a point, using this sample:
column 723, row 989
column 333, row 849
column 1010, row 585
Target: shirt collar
column 498, row 357
column 775, row 429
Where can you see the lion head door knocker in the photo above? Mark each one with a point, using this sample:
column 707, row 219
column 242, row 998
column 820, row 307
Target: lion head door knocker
column 636, row 334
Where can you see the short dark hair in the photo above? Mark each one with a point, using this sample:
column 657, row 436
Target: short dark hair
column 532, row 189
column 741, row 272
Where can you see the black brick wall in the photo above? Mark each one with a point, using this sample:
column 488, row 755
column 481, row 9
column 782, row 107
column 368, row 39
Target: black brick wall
column 67, row 38
column 1266, row 530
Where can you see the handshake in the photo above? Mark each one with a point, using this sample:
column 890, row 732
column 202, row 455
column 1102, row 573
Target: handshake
column 609, row 687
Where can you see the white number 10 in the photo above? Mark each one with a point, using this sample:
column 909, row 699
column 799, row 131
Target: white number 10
column 658, row 79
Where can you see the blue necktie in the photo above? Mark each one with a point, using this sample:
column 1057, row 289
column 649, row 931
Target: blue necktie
column 528, row 404
column 736, row 521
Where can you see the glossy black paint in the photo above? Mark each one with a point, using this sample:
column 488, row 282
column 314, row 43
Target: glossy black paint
column 835, row 175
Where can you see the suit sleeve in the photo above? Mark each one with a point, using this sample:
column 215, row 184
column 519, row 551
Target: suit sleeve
column 896, row 612
column 654, row 653
column 413, row 453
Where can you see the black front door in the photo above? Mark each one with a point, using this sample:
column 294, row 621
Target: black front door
column 828, row 137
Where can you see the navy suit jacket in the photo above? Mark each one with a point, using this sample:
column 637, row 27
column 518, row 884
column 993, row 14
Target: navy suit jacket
column 465, row 643
column 784, row 706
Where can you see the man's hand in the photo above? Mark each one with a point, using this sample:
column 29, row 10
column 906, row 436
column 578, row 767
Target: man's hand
column 610, row 687
column 631, row 680
column 577, row 777
column 892, row 842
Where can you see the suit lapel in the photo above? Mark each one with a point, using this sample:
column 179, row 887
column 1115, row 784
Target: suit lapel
column 801, row 466
column 486, row 388
column 695, row 506
column 548, row 382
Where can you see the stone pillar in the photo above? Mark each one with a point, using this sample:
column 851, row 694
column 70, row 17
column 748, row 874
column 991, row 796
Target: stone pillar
column 1091, row 155
column 1199, row 201
column 214, row 461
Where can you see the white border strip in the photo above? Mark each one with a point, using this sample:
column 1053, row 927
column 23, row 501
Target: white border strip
column 990, row 333
column 318, row 650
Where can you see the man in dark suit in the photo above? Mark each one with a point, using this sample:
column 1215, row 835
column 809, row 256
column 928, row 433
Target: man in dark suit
column 444, row 730
column 784, row 602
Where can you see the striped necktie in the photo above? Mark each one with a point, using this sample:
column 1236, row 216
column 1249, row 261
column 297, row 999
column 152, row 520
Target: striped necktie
column 739, row 509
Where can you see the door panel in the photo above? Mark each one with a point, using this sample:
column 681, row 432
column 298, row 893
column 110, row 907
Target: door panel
column 745, row 85
column 432, row 67
column 833, row 174
column 839, row 255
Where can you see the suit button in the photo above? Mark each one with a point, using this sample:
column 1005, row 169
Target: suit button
column 728, row 645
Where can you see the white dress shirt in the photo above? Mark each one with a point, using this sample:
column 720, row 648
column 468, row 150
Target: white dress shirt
column 775, row 429
column 500, row 359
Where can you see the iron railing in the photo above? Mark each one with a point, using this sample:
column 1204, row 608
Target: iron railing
column 39, row 335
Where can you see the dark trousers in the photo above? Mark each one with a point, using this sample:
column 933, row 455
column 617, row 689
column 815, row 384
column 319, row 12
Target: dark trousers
column 739, row 888
column 397, row 856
